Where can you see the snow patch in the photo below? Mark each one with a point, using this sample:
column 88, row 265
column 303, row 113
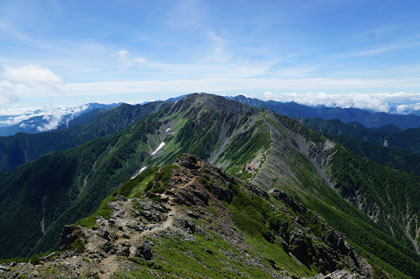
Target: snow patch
column 167, row 130
column 162, row 144
column 138, row 172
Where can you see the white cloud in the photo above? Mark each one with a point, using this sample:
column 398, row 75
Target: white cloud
column 407, row 108
column 381, row 50
column 55, row 117
column 363, row 101
column 52, row 123
column 294, row 72
column 218, row 52
column 13, row 120
column 28, row 80
column 233, row 84
column 398, row 102
column 140, row 60
column 7, row 99
column 6, row 93
column 31, row 75
column 52, row 116
column 275, row 89
column 123, row 54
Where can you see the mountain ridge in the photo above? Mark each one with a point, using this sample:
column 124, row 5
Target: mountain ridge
column 284, row 154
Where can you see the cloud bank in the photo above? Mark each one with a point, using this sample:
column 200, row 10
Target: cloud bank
column 52, row 117
column 400, row 102
column 31, row 75
column 28, row 80
column 37, row 81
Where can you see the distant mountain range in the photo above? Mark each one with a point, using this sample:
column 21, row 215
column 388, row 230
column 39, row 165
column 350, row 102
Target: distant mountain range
column 22, row 147
column 365, row 117
column 47, row 121
column 43, row 121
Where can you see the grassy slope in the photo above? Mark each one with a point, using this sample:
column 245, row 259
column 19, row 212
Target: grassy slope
column 253, row 215
column 62, row 187
column 118, row 156
column 305, row 183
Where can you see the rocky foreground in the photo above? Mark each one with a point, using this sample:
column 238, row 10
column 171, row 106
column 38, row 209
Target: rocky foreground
column 146, row 232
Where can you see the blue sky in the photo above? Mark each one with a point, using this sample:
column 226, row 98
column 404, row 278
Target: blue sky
column 334, row 52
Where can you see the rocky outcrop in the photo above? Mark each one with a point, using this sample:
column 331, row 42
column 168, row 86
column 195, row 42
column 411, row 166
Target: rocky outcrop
column 335, row 255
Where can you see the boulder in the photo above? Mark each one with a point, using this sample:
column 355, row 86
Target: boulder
column 4, row 267
column 145, row 251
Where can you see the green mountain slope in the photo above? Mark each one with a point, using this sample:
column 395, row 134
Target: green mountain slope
column 21, row 148
column 398, row 159
column 62, row 187
column 191, row 220
column 387, row 136
column 59, row 188
column 302, row 162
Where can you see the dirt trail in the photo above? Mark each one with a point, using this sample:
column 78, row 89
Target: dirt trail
column 169, row 220
column 164, row 225
column 137, row 239
column 110, row 266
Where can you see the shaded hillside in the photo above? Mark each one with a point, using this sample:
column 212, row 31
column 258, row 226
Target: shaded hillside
column 387, row 136
column 398, row 159
column 21, row 148
column 386, row 145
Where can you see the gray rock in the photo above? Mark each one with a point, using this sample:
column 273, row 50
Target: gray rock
column 124, row 249
column 188, row 224
column 150, row 216
column 145, row 251
column 4, row 268
column 340, row 274
column 107, row 246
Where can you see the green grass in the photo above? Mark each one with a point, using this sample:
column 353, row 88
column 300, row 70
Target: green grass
column 135, row 185
column 104, row 210
column 274, row 252
column 163, row 176
column 144, row 274
column 190, row 259
column 244, row 147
